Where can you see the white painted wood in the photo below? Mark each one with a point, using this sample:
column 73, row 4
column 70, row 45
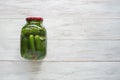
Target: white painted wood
column 59, row 9
column 68, row 23
column 68, row 50
column 84, row 29
column 100, row 29
column 83, row 40
column 59, row 71
column 72, row 29
column 89, row 41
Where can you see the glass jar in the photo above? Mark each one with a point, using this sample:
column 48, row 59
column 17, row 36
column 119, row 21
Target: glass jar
column 33, row 43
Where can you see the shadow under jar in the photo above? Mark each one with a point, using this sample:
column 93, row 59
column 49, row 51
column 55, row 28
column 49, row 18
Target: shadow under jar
column 33, row 43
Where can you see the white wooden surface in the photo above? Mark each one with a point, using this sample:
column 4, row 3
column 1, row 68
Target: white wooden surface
column 83, row 40
column 59, row 71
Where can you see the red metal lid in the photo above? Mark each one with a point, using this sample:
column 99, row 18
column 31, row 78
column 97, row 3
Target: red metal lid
column 34, row 18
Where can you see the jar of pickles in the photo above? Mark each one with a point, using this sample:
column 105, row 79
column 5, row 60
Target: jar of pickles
column 33, row 43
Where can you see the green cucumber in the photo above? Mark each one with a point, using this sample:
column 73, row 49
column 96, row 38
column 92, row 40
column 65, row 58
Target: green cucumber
column 24, row 45
column 38, row 43
column 32, row 44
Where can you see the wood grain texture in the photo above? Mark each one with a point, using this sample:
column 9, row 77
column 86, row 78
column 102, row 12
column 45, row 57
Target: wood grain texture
column 69, row 50
column 86, row 29
column 83, row 40
column 53, row 8
column 89, row 40
column 59, row 71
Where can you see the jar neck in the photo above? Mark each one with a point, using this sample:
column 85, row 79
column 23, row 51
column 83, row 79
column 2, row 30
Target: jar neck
column 34, row 22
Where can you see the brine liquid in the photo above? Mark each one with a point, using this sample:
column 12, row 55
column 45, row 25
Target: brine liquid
column 33, row 44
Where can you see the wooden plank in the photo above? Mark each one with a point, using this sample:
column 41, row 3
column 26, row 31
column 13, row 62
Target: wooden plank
column 59, row 71
column 68, row 50
column 96, row 43
column 86, row 29
column 59, row 9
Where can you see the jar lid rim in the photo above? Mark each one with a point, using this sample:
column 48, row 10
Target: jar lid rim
column 34, row 18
